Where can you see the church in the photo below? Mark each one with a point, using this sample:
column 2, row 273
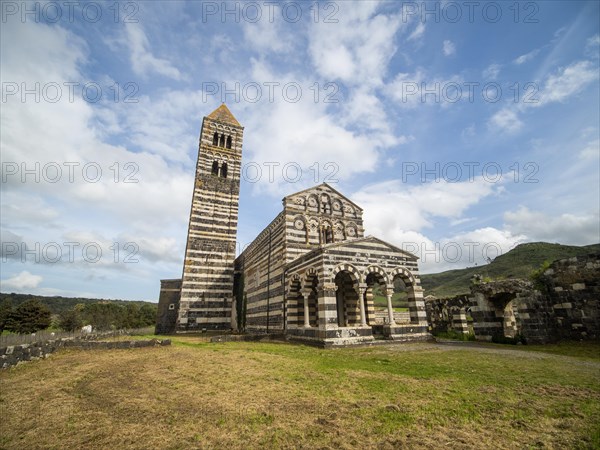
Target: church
column 309, row 275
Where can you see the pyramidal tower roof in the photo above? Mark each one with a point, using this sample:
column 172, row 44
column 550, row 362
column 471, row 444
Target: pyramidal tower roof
column 222, row 114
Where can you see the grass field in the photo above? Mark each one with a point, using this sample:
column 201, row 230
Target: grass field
column 269, row 395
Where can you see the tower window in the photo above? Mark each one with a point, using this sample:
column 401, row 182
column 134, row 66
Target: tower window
column 228, row 141
column 224, row 170
column 216, row 139
column 215, row 168
column 222, row 141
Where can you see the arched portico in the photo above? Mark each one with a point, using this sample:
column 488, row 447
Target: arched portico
column 333, row 294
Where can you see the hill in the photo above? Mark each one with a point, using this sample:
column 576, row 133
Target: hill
column 58, row 304
column 517, row 263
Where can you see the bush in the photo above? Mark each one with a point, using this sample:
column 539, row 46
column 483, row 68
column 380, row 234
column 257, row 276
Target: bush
column 5, row 311
column 70, row 320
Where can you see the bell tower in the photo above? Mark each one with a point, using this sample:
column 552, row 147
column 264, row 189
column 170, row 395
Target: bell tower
column 206, row 300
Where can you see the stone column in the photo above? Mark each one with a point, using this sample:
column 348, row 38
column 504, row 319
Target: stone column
column 388, row 294
column 361, row 304
column 327, row 306
column 305, row 294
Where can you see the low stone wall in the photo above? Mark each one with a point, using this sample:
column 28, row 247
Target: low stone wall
column 12, row 355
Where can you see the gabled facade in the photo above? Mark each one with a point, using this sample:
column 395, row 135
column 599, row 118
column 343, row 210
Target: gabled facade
column 305, row 273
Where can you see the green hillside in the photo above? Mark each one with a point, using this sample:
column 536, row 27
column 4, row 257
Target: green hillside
column 517, row 263
column 58, row 305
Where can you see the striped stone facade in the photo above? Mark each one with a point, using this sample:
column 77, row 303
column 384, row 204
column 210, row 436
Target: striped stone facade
column 311, row 272
column 206, row 297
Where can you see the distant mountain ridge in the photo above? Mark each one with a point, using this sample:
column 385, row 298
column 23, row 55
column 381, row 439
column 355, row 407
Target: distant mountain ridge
column 519, row 262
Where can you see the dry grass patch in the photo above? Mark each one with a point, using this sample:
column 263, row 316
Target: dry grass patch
column 267, row 395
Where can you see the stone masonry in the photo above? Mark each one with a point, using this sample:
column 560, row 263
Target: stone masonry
column 564, row 304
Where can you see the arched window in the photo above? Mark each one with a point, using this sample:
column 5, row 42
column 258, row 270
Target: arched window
column 325, row 204
column 224, row 170
column 215, row 168
column 222, row 141
column 216, row 138
column 228, row 141
column 328, row 235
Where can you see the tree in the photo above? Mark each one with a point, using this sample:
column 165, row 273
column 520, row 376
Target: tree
column 130, row 317
column 70, row 320
column 147, row 315
column 103, row 315
column 6, row 308
column 28, row 317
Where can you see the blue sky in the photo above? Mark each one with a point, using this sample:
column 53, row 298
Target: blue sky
column 462, row 130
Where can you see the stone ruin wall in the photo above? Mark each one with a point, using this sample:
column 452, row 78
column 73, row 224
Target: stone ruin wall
column 573, row 288
column 564, row 304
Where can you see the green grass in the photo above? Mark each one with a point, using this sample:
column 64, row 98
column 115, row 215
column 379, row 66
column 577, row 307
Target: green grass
column 274, row 395
column 584, row 350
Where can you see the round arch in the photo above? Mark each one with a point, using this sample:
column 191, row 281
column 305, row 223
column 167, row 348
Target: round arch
column 294, row 278
column 404, row 273
column 376, row 270
column 352, row 271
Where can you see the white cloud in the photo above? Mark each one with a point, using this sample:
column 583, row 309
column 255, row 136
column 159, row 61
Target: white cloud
column 412, row 90
column 42, row 212
column 22, row 281
column 469, row 132
column 472, row 248
column 491, row 72
column 418, row 205
column 268, row 36
column 526, row 57
column 505, row 120
column 560, row 87
column 592, row 46
column 308, row 134
column 417, row 32
column 142, row 59
column 591, row 150
column 567, row 82
column 358, row 48
column 449, row 48
column 399, row 214
column 564, row 228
